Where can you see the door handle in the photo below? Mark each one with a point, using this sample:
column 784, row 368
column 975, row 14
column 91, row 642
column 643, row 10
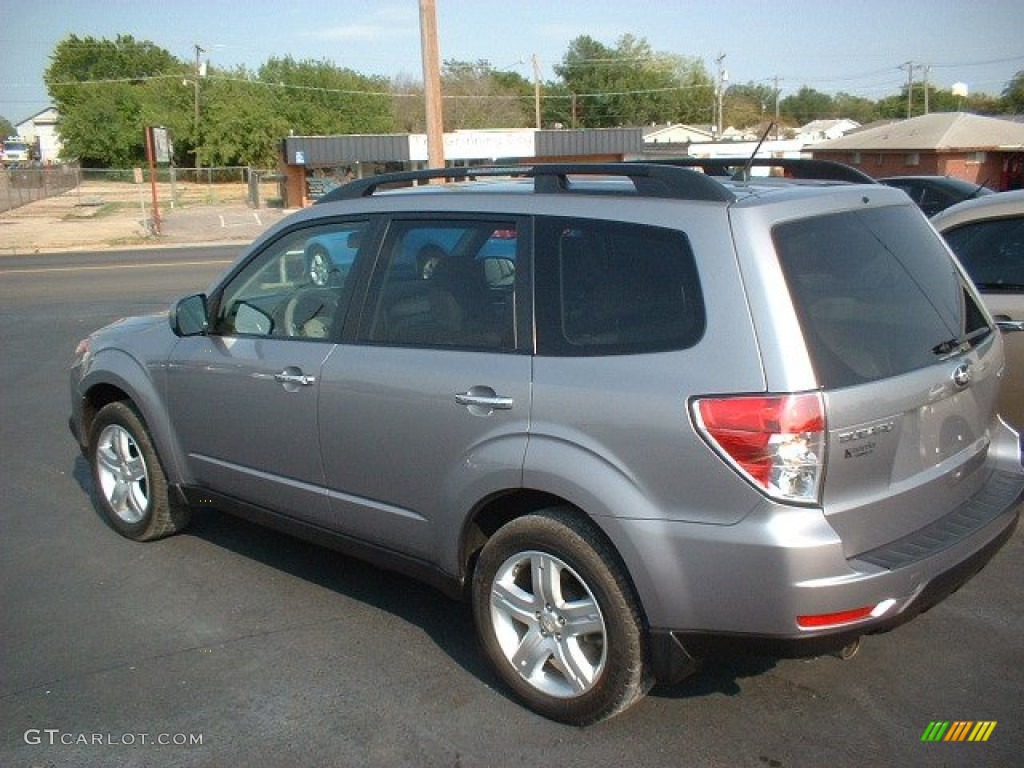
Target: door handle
column 496, row 402
column 1006, row 325
column 288, row 376
column 483, row 400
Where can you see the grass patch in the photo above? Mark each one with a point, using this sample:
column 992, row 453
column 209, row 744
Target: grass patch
column 100, row 211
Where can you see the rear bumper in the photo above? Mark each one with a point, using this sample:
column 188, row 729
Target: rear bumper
column 674, row 652
column 767, row 580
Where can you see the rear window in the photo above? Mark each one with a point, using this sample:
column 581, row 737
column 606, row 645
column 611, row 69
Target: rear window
column 876, row 293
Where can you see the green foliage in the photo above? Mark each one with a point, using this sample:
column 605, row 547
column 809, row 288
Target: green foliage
column 750, row 104
column 318, row 98
column 476, row 96
column 896, row 106
column 632, row 85
column 806, row 105
column 6, row 128
column 1013, row 94
column 108, row 91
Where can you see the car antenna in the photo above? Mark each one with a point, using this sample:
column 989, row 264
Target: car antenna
column 744, row 175
column 978, row 189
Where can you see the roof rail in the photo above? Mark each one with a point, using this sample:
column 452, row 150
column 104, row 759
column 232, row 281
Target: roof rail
column 649, row 180
column 737, row 168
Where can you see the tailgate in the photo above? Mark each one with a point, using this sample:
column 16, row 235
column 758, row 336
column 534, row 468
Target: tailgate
column 903, row 454
column 910, row 365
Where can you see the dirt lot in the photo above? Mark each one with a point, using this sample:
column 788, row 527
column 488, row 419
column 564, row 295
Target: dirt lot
column 99, row 214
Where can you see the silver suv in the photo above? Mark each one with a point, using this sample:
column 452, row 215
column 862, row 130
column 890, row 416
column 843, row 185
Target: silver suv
column 630, row 412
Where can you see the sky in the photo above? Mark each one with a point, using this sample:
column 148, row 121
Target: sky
column 854, row 46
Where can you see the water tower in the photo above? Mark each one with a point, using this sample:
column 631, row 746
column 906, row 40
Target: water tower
column 960, row 91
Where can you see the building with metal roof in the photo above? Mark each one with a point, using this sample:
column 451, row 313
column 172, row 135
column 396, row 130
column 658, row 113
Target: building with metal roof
column 314, row 164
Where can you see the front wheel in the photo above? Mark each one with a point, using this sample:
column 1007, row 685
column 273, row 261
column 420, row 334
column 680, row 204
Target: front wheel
column 558, row 619
column 128, row 478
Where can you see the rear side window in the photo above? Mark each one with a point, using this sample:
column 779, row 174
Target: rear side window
column 876, row 293
column 606, row 288
column 447, row 284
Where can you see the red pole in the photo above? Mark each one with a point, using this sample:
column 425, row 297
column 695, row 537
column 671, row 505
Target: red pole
column 152, row 179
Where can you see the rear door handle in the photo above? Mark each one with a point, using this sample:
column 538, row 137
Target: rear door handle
column 484, row 399
column 294, row 377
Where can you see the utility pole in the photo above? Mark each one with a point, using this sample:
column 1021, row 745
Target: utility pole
column 775, row 80
column 432, row 83
column 195, row 118
column 910, row 85
column 536, row 90
column 927, row 72
column 720, row 78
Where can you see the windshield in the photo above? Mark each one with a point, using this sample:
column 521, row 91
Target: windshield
column 876, row 293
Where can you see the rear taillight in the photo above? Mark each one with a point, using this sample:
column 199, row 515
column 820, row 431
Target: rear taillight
column 776, row 441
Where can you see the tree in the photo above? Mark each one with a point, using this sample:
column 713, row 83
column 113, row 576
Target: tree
column 6, row 128
column 855, row 108
column 1013, row 94
column 477, row 96
column 632, row 85
column 318, row 98
column 806, row 105
column 106, row 92
column 748, row 105
column 241, row 124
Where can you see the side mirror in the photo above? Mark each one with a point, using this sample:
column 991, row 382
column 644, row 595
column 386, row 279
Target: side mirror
column 189, row 316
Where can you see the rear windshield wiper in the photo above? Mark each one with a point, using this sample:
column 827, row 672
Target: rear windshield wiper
column 960, row 344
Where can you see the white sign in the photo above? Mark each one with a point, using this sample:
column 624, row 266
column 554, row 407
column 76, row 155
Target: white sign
column 478, row 145
column 161, row 146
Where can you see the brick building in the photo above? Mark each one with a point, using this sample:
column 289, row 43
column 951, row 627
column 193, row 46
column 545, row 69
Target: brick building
column 982, row 150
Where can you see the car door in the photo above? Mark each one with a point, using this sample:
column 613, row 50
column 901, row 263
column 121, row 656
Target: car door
column 992, row 252
column 427, row 412
column 243, row 397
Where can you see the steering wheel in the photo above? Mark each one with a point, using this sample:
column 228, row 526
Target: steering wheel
column 320, row 265
column 309, row 313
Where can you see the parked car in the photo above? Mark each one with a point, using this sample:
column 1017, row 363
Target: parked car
column 631, row 412
column 936, row 193
column 987, row 236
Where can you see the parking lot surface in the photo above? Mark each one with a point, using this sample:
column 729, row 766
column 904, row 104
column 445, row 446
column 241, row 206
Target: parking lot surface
column 231, row 645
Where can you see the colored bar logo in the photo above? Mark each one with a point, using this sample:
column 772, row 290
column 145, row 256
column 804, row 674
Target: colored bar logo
column 958, row 730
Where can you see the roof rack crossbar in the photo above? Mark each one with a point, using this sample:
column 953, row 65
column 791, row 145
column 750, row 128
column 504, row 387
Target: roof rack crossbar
column 553, row 178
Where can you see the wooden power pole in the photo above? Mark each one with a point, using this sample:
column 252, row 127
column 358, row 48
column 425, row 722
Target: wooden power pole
column 432, row 83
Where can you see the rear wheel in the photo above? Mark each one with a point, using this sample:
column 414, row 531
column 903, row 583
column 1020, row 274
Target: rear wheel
column 129, row 481
column 558, row 619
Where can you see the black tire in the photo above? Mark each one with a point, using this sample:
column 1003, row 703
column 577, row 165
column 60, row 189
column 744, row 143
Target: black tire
column 573, row 650
column 131, row 488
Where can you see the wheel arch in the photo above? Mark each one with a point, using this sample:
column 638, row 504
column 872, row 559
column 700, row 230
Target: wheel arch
column 116, row 376
column 500, row 510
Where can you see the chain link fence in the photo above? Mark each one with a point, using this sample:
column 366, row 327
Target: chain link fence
column 20, row 186
column 175, row 187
